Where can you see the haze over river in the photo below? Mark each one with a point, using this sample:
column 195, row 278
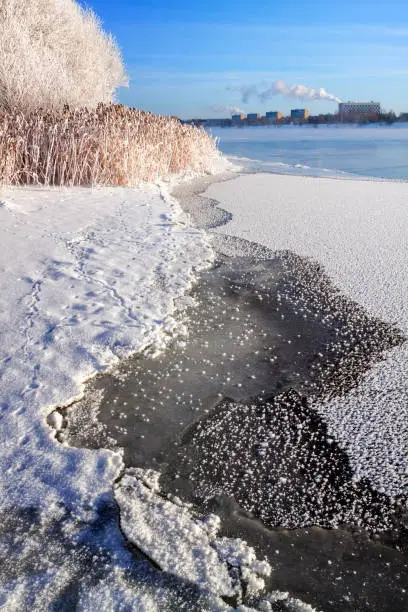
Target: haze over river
column 375, row 151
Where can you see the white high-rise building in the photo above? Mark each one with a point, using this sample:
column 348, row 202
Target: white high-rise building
column 359, row 108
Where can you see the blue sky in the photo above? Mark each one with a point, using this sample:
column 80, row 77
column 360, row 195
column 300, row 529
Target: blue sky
column 184, row 57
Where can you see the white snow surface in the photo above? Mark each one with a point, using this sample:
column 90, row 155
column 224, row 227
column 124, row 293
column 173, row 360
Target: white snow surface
column 358, row 231
column 88, row 276
column 185, row 545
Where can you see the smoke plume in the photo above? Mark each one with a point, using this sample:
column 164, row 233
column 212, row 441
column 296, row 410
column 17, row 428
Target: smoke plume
column 266, row 91
column 226, row 108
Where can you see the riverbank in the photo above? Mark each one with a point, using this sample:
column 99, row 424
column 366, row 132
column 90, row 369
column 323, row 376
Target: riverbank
column 88, row 277
column 255, row 347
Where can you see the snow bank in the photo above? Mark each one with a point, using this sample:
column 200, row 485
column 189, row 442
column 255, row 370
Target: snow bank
column 358, row 230
column 88, row 276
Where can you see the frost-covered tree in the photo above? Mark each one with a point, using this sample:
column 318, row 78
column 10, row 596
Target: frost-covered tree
column 54, row 52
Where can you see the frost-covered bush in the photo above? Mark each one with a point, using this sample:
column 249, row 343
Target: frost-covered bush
column 109, row 145
column 53, row 52
column 58, row 75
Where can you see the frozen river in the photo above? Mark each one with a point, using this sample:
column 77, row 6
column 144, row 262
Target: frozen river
column 374, row 151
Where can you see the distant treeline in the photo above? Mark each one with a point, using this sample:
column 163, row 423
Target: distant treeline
column 324, row 119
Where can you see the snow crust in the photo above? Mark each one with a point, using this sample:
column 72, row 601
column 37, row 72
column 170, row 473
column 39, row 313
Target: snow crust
column 358, row 231
column 88, row 276
column 188, row 545
column 185, row 545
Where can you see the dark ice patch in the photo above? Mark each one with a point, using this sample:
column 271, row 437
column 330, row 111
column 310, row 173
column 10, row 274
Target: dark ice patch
column 273, row 336
column 277, row 461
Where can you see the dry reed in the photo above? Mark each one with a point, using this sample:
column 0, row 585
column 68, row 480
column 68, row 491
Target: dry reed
column 109, row 145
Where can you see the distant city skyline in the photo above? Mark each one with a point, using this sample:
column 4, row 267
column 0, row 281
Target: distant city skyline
column 190, row 59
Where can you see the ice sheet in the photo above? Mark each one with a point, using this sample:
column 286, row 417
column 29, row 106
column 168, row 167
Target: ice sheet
column 358, row 231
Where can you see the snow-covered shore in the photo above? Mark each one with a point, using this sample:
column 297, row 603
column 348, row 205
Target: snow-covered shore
column 357, row 230
column 90, row 276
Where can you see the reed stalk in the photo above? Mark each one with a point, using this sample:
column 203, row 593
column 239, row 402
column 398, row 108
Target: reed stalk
column 108, row 145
